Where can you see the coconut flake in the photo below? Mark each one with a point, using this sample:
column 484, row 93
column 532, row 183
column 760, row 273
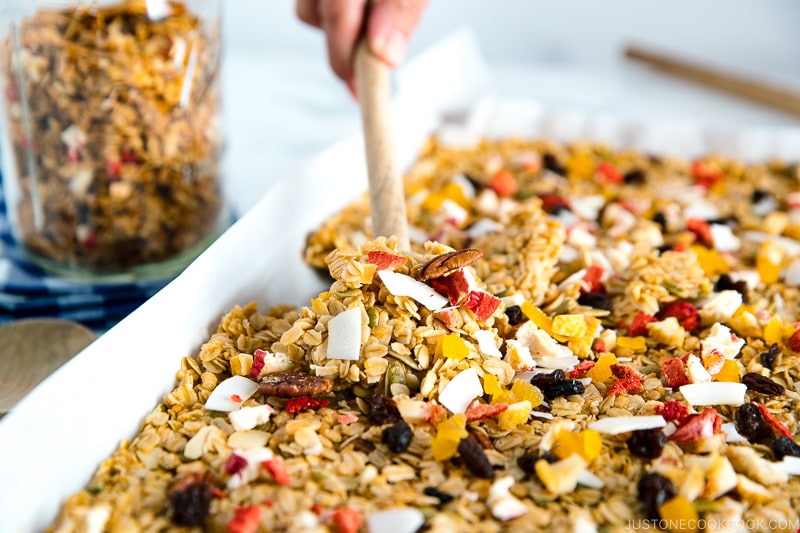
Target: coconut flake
column 483, row 227
column 402, row 520
column 587, row 479
column 731, row 433
column 614, row 425
column 696, row 371
column 461, row 390
column 250, row 417
column 723, row 238
column 344, row 335
column 504, row 505
column 790, row 465
column 540, row 414
column 587, row 207
column 720, row 306
column 486, row 343
column 715, row 393
column 791, row 275
column 555, row 363
column 95, row 520
column 721, row 340
column 402, row 285
column 230, row 394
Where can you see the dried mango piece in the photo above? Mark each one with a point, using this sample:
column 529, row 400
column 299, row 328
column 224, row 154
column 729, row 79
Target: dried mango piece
column 745, row 322
column 560, row 477
column 587, row 444
column 712, row 262
column 773, row 331
column 679, row 514
column 454, row 347
column 768, row 261
column 729, row 372
column 537, row 316
column 523, row 390
column 449, row 433
column 516, row 414
column 602, row 369
column 491, row 385
column 580, row 166
column 454, row 193
column 637, row 344
column 569, row 325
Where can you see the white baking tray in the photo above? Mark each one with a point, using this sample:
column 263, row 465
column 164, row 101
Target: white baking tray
column 52, row 442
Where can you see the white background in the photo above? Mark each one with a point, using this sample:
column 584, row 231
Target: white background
column 282, row 104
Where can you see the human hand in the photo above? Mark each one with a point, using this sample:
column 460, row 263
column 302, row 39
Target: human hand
column 387, row 31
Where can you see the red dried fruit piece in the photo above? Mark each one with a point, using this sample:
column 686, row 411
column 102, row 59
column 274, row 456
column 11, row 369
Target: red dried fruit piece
column 481, row 411
column 258, row 363
column 776, row 425
column 699, row 426
column 301, row 404
column 582, row 368
column 794, row 341
column 245, row 520
column 503, row 183
column 385, row 260
column 685, row 312
column 705, row 175
column 592, row 279
column 317, row 509
column 553, row 202
column 347, row 519
column 235, row 464
column 277, row 469
column 673, row 411
column 701, row 230
column 455, row 286
column 639, row 323
column 436, row 413
column 128, row 156
column 113, row 168
column 674, row 371
column 482, row 304
column 609, row 174
column 628, row 380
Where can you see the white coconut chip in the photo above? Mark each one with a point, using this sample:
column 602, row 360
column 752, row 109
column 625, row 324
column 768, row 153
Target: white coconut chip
column 402, row 285
column 555, row 363
column 230, row 394
column 715, row 393
column 461, row 390
column 731, row 433
column 539, row 414
column 790, row 465
column 486, row 343
column 614, row 425
column 405, row 520
column 791, row 276
column 504, row 505
column 587, row 479
column 483, row 227
column 344, row 335
column 250, row 417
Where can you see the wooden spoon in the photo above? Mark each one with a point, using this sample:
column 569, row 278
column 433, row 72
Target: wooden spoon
column 32, row 349
column 386, row 198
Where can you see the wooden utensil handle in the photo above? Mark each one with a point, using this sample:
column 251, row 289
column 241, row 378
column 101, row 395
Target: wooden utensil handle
column 758, row 91
column 387, row 201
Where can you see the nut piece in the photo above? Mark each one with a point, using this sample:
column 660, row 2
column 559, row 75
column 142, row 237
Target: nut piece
column 292, row 384
column 442, row 264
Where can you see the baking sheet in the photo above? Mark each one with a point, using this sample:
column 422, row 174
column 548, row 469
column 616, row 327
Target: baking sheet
column 52, row 442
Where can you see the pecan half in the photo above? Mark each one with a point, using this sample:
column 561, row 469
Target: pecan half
column 293, row 384
column 442, row 264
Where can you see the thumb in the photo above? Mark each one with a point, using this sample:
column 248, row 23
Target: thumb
column 390, row 25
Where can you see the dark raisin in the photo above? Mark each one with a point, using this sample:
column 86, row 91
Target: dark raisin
column 635, row 177
column 543, row 379
column 550, row 162
column 769, row 357
column 382, row 410
column 557, row 209
column 363, row 445
column 565, row 387
column 475, row 458
column 191, row 497
column 443, row 497
column 783, row 446
column 758, row 195
column 596, row 300
column 762, row 384
column 665, row 248
column 397, row 437
column 660, row 219
column 654, row 490
column 478, row 184
column 725, row 283
column 750, row 423
column 514, row 314
column 647, row 443
column 527, row 461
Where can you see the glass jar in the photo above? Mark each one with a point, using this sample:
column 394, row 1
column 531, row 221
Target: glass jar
column 112, row 135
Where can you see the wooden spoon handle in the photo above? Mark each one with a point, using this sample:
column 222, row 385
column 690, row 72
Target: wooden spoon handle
column 387, row 201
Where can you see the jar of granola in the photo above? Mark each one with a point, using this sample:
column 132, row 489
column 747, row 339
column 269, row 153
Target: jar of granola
column 111, row 140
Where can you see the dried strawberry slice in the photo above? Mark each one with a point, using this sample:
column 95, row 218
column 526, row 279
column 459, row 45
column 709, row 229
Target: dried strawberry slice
column 776, row 425
column 245, row 520
column 582, row 368
column 674, row 371
column 609, row 173
column 301, row 404
column 701, row 230
column 638, row 326
column 385, row 260
column 277, row 469
column 482, row 304
column 347, row 519
column 628, row 380
column 592, row 279
column 699, row 426
column 481, row 411
column 685, row 312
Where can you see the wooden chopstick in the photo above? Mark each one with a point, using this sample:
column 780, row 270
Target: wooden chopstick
column 781, row 98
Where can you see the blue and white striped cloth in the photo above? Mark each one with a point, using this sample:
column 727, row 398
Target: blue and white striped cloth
column 27, row 291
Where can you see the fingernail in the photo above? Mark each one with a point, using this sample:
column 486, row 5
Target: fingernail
column 391, row 47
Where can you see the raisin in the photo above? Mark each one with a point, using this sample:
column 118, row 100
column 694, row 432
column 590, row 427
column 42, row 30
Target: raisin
column 527, row 461
column 596, row 300
column 565, row 387
column 191, row 497
column 551, row 163
column 514, row 314
column 783, row 446
column 759, row 195
column 543, row 379
column 443, row 497
column 654, row 490
column 635, row 177
column 661, row 219
column 382, row 410
column 397, row 437
column 475, row 458
column 750, row 423
column 769, row 357
column 762, row 384
column 648, row 443
column 725, row 283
